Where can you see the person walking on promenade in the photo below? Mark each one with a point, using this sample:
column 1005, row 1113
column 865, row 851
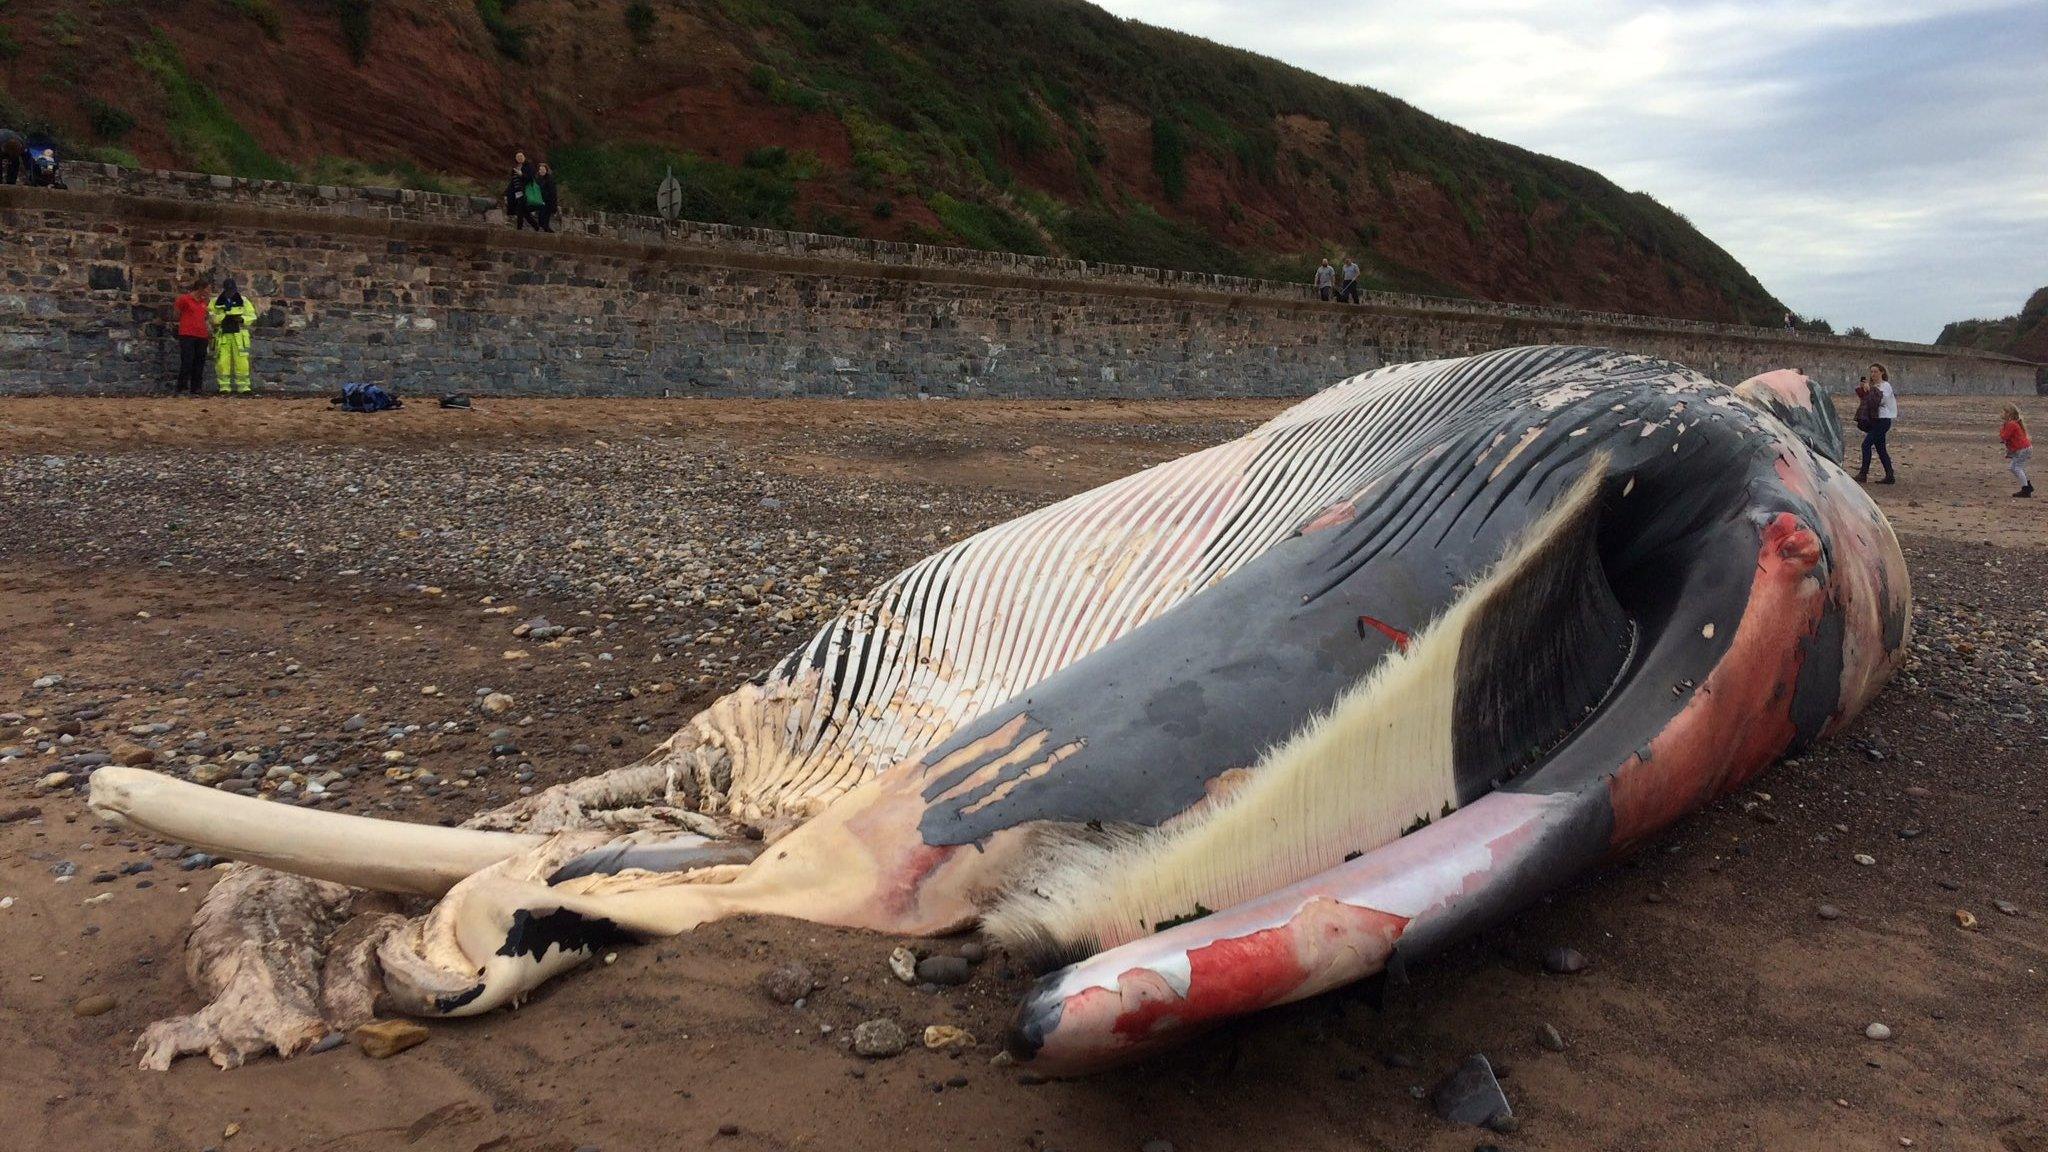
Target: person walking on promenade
column 1879, row 405
column 550, row 199
column 1348, row 281
column 1326, row 279
column 2019, row 448
column 193, row 335
column 233, row 315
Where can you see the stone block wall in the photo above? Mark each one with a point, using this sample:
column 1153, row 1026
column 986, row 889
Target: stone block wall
column 430, row 293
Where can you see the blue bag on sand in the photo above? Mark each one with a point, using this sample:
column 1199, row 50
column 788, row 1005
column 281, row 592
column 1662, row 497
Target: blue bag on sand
column 366, row 398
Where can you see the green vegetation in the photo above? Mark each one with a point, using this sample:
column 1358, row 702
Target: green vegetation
column 640, row 21
column 985, row 226
column 831, row 224
column 263, row 14
column 772, row 85
column 623, row 178
column 1139, row 235
column 109, row 123
column 63, row 28
column 12, row 112
column 355, row 27
column 204, row 133
column 107, row 154
column 9, row 47
column 2024, row 334
column 343, row 171
column 509, row 37
column 1170, row 158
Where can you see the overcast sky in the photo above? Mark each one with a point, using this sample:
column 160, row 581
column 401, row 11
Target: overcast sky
column 1876, row 162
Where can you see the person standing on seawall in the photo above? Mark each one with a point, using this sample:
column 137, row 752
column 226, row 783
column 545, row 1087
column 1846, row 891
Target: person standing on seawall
column 2019, row 448
column 1326, row 279
column 193, row 334
column 1347, row 288
column 1884, row 409
column 550, row 199
column 515, row 189
column 13, row 150
column 233, row 315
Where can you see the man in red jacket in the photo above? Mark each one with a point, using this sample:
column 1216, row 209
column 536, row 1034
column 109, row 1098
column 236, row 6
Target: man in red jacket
column 193, row 334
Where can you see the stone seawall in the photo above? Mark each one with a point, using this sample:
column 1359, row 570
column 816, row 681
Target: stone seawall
column 431, row 293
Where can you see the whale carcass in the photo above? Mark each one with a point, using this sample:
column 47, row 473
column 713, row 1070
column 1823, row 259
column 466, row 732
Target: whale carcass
column 1220, row 735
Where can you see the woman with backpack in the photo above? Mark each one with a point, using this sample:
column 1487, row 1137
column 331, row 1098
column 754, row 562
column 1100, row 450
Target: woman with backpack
column 233, row 315
column 529, row 198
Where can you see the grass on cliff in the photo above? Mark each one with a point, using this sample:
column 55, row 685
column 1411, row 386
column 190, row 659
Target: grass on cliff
column 509, row 38
column 942, row 97
column 355, row 27
column 206, row 135
column 265, row 16
column 1139, row 235
column 346, row 172
column 985, row 226
column 2004, row 335
column 624, row 177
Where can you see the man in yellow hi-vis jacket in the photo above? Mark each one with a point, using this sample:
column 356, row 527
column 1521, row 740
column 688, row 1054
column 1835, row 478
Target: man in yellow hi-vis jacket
column 232, row 315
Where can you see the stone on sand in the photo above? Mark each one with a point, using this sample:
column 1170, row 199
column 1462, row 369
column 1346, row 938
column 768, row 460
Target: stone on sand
column 385, row 1038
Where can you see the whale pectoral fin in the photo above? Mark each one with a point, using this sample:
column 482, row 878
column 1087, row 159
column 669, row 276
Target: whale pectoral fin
column 1334, row 928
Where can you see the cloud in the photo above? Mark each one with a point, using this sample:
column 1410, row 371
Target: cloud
column 1883, row 165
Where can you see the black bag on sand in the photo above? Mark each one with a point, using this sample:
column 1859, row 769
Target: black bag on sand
column 456, row 400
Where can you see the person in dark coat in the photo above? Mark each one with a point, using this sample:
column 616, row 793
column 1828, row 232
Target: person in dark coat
column 549, row 199
column 523, row 173
column 13, row 149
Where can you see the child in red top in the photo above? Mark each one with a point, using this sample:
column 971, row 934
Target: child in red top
column 192, row 336
column 2018, row 448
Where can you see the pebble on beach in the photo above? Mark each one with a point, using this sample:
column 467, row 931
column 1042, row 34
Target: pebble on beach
column 386, row 1038
column 879, row 1039
column 787, row 983
column 1564, row 961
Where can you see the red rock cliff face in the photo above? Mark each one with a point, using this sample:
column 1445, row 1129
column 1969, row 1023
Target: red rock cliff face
column 1030, row 125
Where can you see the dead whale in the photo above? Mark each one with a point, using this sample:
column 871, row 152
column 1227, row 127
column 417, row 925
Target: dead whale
column 1220, row 735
